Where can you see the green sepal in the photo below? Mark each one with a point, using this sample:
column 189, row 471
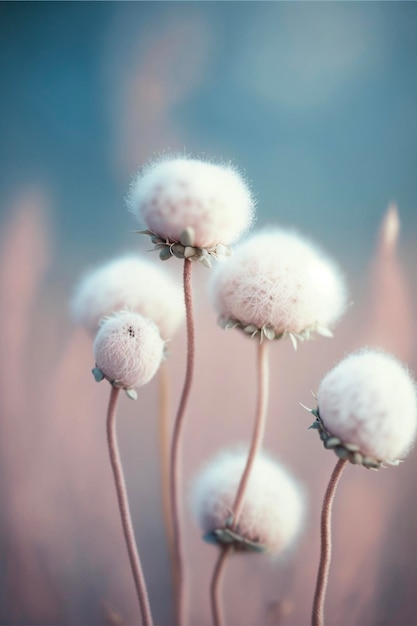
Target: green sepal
column 165, row 253
column 228, row 537
column 210, row 538
column 187, row 237
column 98, row 374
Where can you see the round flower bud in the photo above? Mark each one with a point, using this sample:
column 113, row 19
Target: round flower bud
column 129, row 283
column 278, row 281
column 173, row 195
column 369, row 400
column 273, row 508
column 128, row 349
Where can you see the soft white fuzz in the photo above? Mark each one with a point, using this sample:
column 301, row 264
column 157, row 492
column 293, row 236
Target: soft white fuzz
column 278, row 279
column 174, row 194
column 369, row 399
column 128, row 349
column 129, row 283
column 273, row 508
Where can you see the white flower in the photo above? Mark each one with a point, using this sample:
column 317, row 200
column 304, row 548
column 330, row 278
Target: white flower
column 128, row 349
column 369, row 399
column 129, row 283
column 172, row 195
column 279, row 280
column 273, row 507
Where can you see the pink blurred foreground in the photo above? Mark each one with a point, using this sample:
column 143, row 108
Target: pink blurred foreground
column 64, row 559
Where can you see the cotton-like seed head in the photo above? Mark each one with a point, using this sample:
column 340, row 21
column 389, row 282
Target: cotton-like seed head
column 369, row 399
column 278, row 280
column 273, row 507
column 172, row 195
column 128, row 349
column 129, row 283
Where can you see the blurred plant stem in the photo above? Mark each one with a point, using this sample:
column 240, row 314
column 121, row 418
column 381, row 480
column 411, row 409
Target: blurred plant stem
column 164, row 448
column 216, row 603
column 125, row 516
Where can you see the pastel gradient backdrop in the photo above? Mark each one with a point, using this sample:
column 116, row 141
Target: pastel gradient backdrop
column 316, row 103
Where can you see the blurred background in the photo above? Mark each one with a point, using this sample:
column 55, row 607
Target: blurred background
column 316, row 104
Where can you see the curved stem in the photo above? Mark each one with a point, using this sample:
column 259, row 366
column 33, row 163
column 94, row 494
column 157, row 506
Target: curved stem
column 216, row 605
column 326, row 545
column 124, row 509
column 164, row 445
column 256, row 442
column 175, row 473
column 258, row 431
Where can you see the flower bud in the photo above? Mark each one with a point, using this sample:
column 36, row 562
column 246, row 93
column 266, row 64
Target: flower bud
column 128, row 349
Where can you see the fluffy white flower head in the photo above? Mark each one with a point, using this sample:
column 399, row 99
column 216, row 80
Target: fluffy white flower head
column 129, row 283
column 369, row 399
column 172, row 195
column 278, row 280
column 128, row 349
column 273, row 509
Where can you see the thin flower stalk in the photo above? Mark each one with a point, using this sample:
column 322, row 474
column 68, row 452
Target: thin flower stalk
column 256, row 443
column 215, row 587
column 175, row 467
column 125, row 515
column 258, row 431
column 164, row 451
column 326, row 545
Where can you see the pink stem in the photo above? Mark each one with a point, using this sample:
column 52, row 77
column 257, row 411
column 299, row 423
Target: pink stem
column 124, row 509
column 164, row 451
column 216, row 581
column 257, row 438
column 326, row 545
column 175, row 474
column 259, row 429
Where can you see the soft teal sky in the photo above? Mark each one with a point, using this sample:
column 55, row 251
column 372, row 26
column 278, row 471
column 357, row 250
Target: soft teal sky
column 316, row 102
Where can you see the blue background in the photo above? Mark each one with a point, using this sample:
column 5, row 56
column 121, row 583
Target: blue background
column 315, row 102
